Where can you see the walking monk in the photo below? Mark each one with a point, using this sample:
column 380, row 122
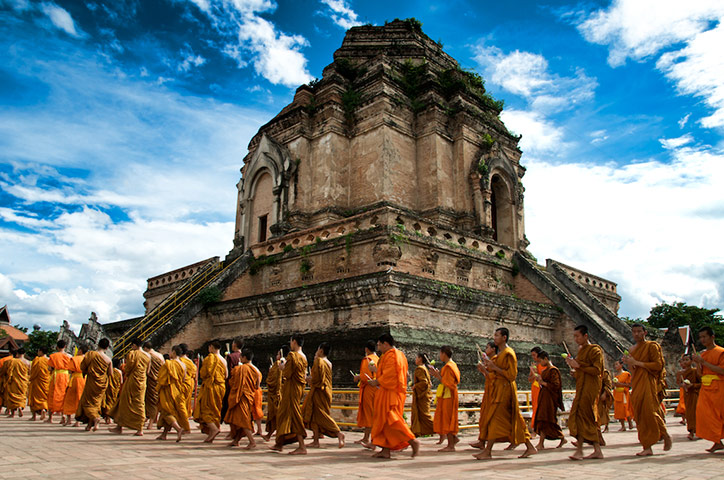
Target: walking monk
column 691, row 379
column 647, row 364
column 365, row 410
column 622, row 410
column 257, row 412
column 445, row 422
column 490, row 350
column 115, row 380
column 75, row 386
column 171, row 399
column 16, row 382
column 550, row 400
column 190, row 381
column 587, row 370
column 97, row 367
column 710, row 405
column 317, row 406
column 535, row 369
column 59, row 363
column 290, row 424
column 422, row 424
column 502, row 420
column 681, row 405
column 605, row 400
column 389, row 429
column 129, row 411
column 207, row 411
column 151, row 398
column 39, row 384
column 242, row 387
column 274, row 380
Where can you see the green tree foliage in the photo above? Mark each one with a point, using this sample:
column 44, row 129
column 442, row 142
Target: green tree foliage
column 680, row 314
column 40, row 338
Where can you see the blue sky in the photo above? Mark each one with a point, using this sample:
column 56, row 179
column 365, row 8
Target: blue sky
column 123, row 126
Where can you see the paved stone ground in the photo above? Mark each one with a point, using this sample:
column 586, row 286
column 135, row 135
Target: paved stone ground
column 37, row 450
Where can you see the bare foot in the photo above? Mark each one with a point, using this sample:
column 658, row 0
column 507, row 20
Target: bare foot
column 563, row 442
column 314, row 444
column 361, row 441
column 690, row 436
column 235, row 443
column 715, row 447
column 161, row 437
column 668, row 442
column 179, row 435
column 594, row 455
column 439, row 441
column 299, row 451
column 340, row 437
column 539, row 447
column 251, row 446
column 483, row 456
column 381, row 454
column 478, row 444
column 138, row 433
column 576, row 456
column 267, row 437
column 370, row 446
column 415, row 444
column 48, row 421
column 528, row 452
column 116, row 430
column 622, row 429
column 451, row 448
column 20, row 413
column 646, row 452
column 510, row 447
column 276, row 448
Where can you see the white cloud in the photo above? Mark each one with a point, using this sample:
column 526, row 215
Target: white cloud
column 275, row 55
column 540, row 136
column 687, row 35
column 682, row 123
column 342, row 14
column 674, row 143
column 598, row 136
column 650, row 226
column 527, row 75
column 190, row 62
column 60, row 18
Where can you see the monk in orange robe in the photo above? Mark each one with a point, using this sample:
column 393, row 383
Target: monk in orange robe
column 130, row 409
column 550, row 400
column 647, row 363
column 39, row 384
column 59, row 363
column 587, row 369
column 171, row 399
column 691, row 381
column 97, row 367
column 16, row 374
column 115, row 380
column 503, row 420
column 258, row 410
column 207, row 411
column 710, row 404
column 274, row 381
column 151, row 399
column 365, row 409
column 389, row 429
column 191, row 380
column 3, row 361
column 422, row 424
column 243, row 384
column 535, row 369
column 75, row 385
column 605, row 400
column 317, row 407
column 622, row 409
column 290, row 422
column 490, row 351
column 445, row 422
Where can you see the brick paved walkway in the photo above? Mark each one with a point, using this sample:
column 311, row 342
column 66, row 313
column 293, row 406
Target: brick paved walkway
column 37, row 450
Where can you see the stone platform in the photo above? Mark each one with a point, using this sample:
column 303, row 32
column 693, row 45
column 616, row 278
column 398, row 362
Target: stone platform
column 37, row 451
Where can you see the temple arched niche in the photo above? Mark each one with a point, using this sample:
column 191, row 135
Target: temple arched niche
column 262, row 207
column 502, row 209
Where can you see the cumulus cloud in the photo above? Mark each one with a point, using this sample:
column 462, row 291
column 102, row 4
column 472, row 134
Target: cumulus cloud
column 528, row 75
column 540, row 135
column 644, row 29
column 673, row 143
column 275, row 55
column 60, row 18
column 341, row 13
column 638, row 224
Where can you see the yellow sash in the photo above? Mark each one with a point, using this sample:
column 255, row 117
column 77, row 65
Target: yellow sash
column 536, row 384
column 76, row 375
column 707, row 379
column 56, row 371
column 443, row 392
column 620, row 389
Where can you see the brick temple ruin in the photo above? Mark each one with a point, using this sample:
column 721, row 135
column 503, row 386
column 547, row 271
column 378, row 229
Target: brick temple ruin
column 387, row 197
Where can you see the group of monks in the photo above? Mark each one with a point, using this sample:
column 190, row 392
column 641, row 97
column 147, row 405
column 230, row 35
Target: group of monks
column 150, row 388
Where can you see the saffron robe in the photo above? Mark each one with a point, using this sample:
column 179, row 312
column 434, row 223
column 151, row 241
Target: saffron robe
column 60, row 363
column 96, row 367
column 365, row 409
column 317, row 406
column 710, row 404
column 446, row 411
column 645, row 392
column 39, row 384
column 130, row 409
column 485, row 404
column 151, row 397
column 258, row 410
column 604, row 405
column 211, row 393
column 691, row 396
column 681, row 405
column 112, row 390
column 242, row 388
column 550, row 400
column 503, row 420
column 534, row 392
column 389, row 429
column 16, row 383
column 290, row 422
column 622, row 398
column 3, row 361
column 421, row 395
column 76, row 385
column 189, row 383
column 171, row 399
column 273, row 396
column 583, row 419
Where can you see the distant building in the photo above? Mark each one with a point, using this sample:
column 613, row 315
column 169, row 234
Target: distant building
column 12, row 337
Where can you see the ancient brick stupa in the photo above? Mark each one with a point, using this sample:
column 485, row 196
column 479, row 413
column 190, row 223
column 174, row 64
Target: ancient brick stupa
column 387, row 197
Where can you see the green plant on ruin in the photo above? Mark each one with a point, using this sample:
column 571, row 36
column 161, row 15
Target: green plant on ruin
column 411, row 82
column 351, row 99
column 258, row 263
column 305, row 266
column 487, row 142
column 414, row 24
column 288, row 248
column 454, row 80
column 209, row 295
column 348, row 242
column 398, row 236
column 315, row 82
column 348, row 70
column 516, row 268
column 500, row 254
column 312, row 107
column 483, row 168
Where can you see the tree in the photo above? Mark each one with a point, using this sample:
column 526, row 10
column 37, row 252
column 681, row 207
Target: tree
column 40, row 338
column 680, row 314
